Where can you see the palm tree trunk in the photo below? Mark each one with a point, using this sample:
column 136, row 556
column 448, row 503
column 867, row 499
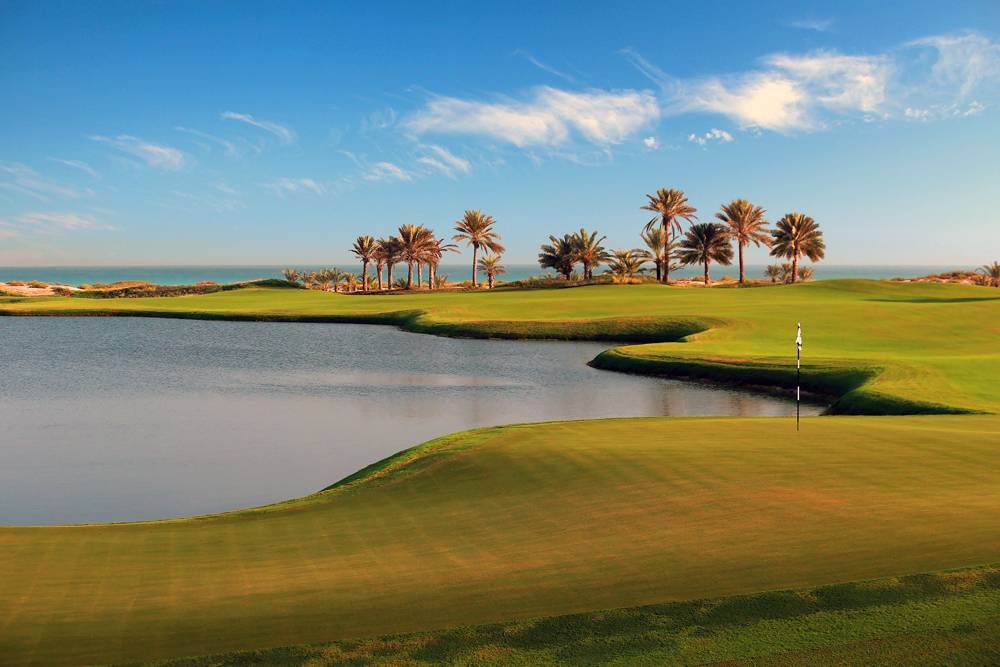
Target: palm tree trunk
column 364, row 276
column 409, row 275
column 475, row 252
column 388, row 274
column 489, row 277
column 666, row 254
column 742, row 275
column 795, row 267
column 658, row 269
column 430, row 276
column 420, row 274
column 706, row 273
column 379, row 268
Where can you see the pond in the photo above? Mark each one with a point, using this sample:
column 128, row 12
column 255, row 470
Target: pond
column 123, row 419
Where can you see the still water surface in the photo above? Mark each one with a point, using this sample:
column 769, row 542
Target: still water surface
column 120, row 419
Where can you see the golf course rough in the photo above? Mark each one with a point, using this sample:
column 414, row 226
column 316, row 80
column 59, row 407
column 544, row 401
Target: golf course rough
column 530, row 521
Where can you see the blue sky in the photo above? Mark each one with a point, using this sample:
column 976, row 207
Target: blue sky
column 242, row 133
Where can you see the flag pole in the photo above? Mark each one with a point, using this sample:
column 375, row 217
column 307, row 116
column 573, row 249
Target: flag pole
column 798, row 373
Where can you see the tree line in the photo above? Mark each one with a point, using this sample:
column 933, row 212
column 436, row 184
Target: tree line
column 668, row 246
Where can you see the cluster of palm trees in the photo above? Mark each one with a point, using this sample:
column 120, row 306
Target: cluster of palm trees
column 669, row 247
column 418, row 248
column 583, row 247
column 740, row 222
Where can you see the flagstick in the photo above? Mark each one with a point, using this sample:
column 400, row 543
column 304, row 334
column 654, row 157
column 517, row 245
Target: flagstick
column 798, row 374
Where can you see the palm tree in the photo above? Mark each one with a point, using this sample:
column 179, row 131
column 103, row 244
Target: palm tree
column 324, row 278
column 391, row 250
column 476, row 229
column 991, row 273
column 559, row 255
column 796, row 235
column 626, row 264
column 670, row 206
column 746, row 225
column 365, row 248
column 774, row 272
column 704, row 243
column 351, row 280
column 309, row 279
column 589, row 251
column 415, row 245
column 655, row 239
column 292, row 275
column 379, row 258
column 436, row 251
column 491, row 266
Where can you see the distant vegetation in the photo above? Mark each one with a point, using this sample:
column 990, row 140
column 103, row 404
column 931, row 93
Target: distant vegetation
column 667, row 248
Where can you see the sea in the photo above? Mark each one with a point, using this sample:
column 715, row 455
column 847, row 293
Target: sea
column 186, row 275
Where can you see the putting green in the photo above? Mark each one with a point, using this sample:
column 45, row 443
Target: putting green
column 519, row 521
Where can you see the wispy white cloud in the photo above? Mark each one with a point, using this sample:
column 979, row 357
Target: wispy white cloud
column 550, row 117
column 154, row 155
column 379, row 120
column 651, row 143
column 386, row 171
column 79, row 164
column 228, row 146
column 819, row 25
column 61, row 221
column 285, row 134
column 20, row 178
column 956, row 65
column 444, row 161
column 715, row 134
column 789, row 92
column 285, row 186
column 544, row 66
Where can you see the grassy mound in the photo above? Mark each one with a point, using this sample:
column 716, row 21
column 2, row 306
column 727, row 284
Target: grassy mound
column 512, row 523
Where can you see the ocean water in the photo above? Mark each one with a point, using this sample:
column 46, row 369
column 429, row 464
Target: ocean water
column 185, row 275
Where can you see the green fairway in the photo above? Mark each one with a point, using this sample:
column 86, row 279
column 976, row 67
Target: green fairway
column 945, row 618
column 887, row 348
column 517, row 522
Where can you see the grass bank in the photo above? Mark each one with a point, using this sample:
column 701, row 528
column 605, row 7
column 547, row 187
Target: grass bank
column 950, row 617
column 879, row 347
column 517, row 522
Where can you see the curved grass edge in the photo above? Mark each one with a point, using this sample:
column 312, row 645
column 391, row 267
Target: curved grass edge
column 848, row 386
column 960, row 602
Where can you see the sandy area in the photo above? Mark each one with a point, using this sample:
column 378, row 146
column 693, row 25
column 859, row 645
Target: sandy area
column 26, row 290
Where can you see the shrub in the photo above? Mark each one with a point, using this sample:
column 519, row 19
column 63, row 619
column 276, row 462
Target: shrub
column 38, row 283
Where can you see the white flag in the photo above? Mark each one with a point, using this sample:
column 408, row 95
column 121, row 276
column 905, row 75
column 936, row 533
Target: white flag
column 798, row 337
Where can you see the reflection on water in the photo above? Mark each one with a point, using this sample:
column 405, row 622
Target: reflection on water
column 114, row 419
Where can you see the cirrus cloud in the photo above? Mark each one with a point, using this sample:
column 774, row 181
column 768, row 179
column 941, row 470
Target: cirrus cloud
column 285, row 134
column 549, row 117
column 154, row 155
